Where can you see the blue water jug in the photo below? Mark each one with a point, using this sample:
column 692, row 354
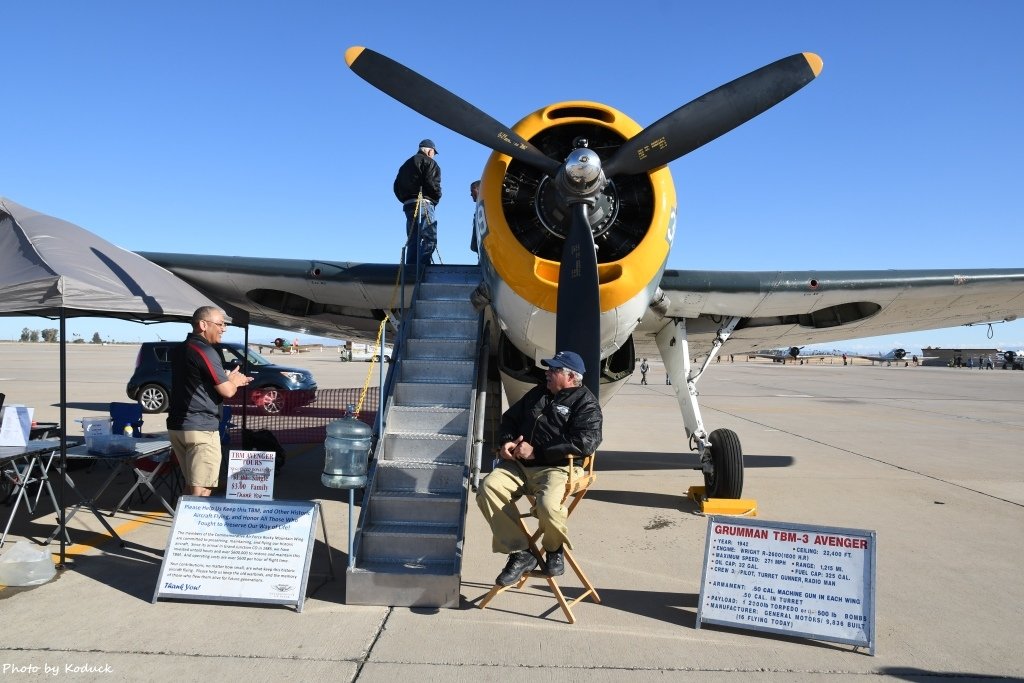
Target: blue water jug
column 347, row 453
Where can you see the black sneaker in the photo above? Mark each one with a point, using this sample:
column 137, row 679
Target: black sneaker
column 519, row 563
column 554, row 563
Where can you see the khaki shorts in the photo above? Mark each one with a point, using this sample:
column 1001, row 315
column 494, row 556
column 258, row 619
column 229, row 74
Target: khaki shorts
column 199, row 455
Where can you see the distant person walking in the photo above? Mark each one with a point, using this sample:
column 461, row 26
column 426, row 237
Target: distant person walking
column 644, row 367
column 199, row 386
column 418, row 187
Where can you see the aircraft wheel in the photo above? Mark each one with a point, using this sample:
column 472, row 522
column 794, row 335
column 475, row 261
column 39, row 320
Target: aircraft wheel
column 726, row 479
column 153, row 398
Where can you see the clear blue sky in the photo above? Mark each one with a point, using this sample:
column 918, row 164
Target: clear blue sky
column 236, row 128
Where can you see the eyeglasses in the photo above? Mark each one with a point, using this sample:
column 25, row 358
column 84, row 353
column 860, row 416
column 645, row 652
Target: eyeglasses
column 555, row 371
column 220, row 324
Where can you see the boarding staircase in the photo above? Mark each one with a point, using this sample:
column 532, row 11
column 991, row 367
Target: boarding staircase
column 408, row 549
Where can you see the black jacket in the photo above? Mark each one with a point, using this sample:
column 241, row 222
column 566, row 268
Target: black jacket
column 567, row 423
column 418, row 172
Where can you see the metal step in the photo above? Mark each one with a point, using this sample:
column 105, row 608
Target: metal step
column 431, row 508
column 437, row 371
column 445, row 291
column 408, row 542
column 405, row 584
column 446, row 309
column 445, row 449
column 424, row 477
column 457, row 274
column 417, row 419
column 422, row 328
column 440, row 349
column 432, row 394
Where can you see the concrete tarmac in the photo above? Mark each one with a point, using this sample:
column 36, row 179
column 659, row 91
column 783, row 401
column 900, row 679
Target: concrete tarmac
column 929, row 458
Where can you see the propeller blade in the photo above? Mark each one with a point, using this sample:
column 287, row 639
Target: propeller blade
column 713, row 114
column 437, row 104
column 578, row 320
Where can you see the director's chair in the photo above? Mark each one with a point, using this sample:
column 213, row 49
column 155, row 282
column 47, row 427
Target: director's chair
column 575, row 488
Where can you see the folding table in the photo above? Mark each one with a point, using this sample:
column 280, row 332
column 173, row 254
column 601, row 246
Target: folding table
column 143, row 448
column 19, row 463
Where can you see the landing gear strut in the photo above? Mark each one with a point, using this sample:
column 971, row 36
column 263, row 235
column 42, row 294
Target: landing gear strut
column 721, row 457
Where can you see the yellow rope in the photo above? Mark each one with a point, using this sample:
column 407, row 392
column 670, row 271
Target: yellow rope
column 373, row 363
column 387, row 316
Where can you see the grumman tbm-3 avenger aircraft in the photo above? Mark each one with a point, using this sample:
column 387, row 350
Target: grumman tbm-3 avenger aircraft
column 895, row 355
column 791, row 354
column 575, row 218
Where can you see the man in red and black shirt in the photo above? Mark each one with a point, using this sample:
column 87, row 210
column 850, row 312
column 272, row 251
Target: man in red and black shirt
column 199, row 385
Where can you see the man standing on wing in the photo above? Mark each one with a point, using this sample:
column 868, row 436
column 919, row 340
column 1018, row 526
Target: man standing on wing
column 418, row 186
column 537, row 435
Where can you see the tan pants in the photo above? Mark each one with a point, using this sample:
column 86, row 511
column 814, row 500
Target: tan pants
column 199, row 455
column 497, row 498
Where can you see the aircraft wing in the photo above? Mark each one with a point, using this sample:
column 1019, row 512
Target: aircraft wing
column 335, row 299
column 777, row 309
column 783, row 309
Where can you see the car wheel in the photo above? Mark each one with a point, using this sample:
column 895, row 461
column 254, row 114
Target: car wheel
column 271, row 400
column 153, row 398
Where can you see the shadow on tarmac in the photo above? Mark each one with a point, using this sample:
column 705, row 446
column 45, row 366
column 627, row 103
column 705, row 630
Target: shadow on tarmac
column 619, row 461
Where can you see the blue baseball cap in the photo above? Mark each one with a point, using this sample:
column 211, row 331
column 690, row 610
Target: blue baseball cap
column 565, row 359
column 430, row 144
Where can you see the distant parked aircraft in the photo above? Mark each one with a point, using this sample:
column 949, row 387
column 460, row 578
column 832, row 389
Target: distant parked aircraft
column 896, row 355
column 790, row 354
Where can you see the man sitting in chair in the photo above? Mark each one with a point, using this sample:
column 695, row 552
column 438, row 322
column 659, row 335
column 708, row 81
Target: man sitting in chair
column 537, row 436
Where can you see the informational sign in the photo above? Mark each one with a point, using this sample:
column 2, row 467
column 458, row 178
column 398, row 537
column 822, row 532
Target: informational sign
column 250, row 475
column 239, row 551
column 15, row 425
column 800, row 580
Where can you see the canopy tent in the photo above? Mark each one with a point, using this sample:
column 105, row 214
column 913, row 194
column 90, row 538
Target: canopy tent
column 55, row 269
column 50, row 268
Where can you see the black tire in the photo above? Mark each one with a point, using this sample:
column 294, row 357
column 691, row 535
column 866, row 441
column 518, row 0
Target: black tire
column 726, row 479
column 272, row 400
column 153, row 398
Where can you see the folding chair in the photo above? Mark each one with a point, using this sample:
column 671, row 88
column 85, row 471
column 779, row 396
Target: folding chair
column 125, row 414
column 575, row 489
column 160, row 470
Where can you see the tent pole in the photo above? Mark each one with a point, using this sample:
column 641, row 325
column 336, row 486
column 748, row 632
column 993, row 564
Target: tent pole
column 245, row 389
column 63, row 435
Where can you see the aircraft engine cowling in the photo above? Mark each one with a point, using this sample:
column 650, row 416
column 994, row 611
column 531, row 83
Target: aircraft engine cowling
column 794, row 351
column 522, row 221
column 899, row 354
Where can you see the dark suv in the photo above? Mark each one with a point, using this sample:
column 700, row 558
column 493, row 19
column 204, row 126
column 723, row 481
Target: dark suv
column 274, row 388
